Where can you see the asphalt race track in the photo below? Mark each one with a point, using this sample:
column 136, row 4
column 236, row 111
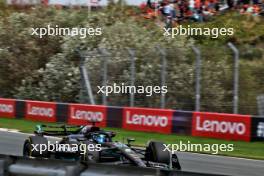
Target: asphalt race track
column 12, row 144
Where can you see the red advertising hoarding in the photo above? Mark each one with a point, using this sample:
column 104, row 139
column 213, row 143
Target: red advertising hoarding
column 7, row 108
column 41, row 111
column 149, row 120
column 223, row 126
column 80, row 114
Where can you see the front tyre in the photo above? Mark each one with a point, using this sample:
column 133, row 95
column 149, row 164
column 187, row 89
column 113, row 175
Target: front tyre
column 155, row 152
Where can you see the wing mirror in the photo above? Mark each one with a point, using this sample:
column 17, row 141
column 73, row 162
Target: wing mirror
column 129, row 140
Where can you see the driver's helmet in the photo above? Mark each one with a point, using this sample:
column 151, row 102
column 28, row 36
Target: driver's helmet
column 100, row 138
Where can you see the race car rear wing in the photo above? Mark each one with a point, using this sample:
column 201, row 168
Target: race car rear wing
column 57, row 130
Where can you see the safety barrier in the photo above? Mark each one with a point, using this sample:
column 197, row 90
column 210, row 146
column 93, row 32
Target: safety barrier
column 167, row 121
column 18, row 166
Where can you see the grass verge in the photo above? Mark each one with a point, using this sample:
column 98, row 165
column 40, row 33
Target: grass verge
column 253, row 150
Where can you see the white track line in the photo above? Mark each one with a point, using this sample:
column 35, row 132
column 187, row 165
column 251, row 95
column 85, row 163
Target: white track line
column 9, row 130
column 19, row 132
column 221, row 156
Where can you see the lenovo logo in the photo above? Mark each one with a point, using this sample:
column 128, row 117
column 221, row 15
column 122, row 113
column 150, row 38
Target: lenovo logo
column 87, row 115
column 146, row 120
column 82, row 114
column 220, row 126
column 40, row 111
column 6, row 108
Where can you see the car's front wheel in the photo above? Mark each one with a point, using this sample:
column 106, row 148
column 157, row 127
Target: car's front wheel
column 156, row 152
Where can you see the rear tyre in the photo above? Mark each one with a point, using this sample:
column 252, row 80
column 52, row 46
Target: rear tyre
column 36, row 146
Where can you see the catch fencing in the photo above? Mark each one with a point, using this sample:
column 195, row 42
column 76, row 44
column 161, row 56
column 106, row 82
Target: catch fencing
column 166, row 121
column 203, row 80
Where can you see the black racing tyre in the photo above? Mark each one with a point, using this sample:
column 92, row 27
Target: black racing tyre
column 155, row 152
column 90, row 156
column 37, row 142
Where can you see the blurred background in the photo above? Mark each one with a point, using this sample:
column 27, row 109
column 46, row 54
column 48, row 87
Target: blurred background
column 50, row 68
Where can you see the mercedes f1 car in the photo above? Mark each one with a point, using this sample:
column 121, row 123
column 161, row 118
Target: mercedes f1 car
column 90, row 144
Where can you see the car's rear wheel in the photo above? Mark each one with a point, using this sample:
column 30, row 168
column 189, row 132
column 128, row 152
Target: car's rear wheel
column 36, row 146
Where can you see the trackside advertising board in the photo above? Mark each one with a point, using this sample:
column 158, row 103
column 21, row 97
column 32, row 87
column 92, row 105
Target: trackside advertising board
column 80, row 114
column 149, row 120
column 166, row 121
column 223, row 126
column 41, row 111
column 7, row 108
